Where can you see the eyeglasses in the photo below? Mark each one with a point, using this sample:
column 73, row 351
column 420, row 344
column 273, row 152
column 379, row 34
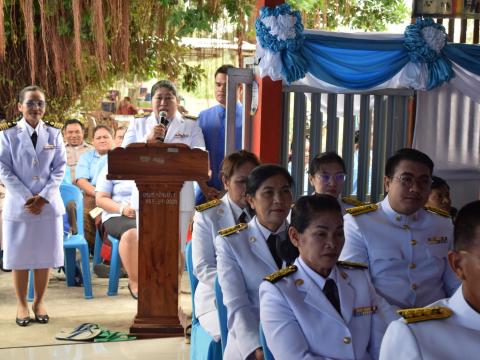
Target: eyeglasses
column 338, row 177
column 469, row 253
column 33, row 103
column 423, row 182
column 166, row 99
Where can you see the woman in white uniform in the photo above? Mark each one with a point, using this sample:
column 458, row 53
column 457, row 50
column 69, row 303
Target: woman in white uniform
column 247, row 253
column 209, row 219
column 320, row 308
column 32, row 166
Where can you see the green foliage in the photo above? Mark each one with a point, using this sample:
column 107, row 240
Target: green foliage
column 369, row 15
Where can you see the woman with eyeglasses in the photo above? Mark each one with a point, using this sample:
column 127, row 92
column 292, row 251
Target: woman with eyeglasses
column 32, row 167
column 211, row 217
column 248, row 252
column 327, row 174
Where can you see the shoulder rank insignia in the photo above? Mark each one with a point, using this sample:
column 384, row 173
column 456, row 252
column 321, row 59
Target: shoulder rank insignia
column 189, row 117
column 207, row 205
column 353, row 201
column 232, row 229
column 352, row 265
column 280, row 274
column 362, row 209
column 4, row 124
column 438, row 211
column 55, row 124
column 423, row 314
column 141, row 115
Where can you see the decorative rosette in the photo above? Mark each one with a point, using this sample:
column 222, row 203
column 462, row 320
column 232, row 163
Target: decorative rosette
column 424, row 42
column 280, row 43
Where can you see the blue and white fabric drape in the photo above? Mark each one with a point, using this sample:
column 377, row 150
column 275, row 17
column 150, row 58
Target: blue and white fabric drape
column 419, row 59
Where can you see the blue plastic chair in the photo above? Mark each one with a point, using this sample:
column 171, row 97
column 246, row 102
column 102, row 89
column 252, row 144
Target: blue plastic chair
column 115, row 262
column 202, row 345
column 97, row 249
column 222, row 314
column 73, row 242
column 267, row 355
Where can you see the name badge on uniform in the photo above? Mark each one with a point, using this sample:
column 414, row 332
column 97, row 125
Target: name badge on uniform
column 437, row 240
column 49, row 147
column 366, row 310
column 180, row 135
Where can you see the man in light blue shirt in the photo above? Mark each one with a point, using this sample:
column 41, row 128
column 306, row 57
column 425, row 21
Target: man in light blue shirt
column 212, row 122
column 87, row 170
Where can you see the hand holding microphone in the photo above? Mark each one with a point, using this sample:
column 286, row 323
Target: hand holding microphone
column 157, row 134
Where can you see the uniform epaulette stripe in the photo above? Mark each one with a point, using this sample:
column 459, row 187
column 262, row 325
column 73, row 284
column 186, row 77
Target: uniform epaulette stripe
column 190, row 117
column 353, row 201
column 423, row 314
column 362, row 209
column 232, row 229
column 438, row 211
column 207, row 205
column 4, row 124
column 142, row 115
column 352, row 265
column 280, row 274
column 54, row 124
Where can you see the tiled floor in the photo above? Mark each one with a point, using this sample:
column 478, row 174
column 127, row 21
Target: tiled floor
column 158, row 349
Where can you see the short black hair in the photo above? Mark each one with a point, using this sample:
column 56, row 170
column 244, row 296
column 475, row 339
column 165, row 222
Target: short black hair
column 167, row 84
column 466, row 224
column 325, row 158
column 438, row 182
column 232, row 162
column 98, row 127
column 410, row 155
column 263, row 172
column 224, row 69
column 73, row 121
column 21, row 94
column 307, row 208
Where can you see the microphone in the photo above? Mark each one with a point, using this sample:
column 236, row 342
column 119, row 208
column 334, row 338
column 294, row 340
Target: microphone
column 163, row 120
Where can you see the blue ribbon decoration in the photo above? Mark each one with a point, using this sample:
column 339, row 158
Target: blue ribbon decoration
column 438, row 65
column 294, row 63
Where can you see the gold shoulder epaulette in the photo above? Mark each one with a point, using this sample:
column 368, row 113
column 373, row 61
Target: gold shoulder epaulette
column 208, row 205
column 352, row 265
column 232, row 229
column 4, row 124
column 362, row 209
column 438, row 211
column 280, row 274
column 142, row 115
column 190, row 117
column 423, row 314
column 353, row 201
column 55, row 124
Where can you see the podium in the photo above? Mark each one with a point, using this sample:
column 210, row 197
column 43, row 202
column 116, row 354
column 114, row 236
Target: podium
column 159, row 171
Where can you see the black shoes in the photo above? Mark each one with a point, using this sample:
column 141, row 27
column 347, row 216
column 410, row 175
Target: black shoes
column 23, row 321
column 42, row 319
column 134, row 295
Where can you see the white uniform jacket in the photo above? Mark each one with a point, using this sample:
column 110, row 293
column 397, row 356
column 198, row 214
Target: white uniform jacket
column 456, row 337
column 26, row 171
column 206, row 225
column 179, row 130
column 299, row 321
column 243, row 260
column 406, row 255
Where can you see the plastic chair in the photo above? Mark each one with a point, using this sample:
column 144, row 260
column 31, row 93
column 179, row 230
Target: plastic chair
column 222, row 314
column 115, row 262
column 267, row 355
column 71, row 243
column 202, row 345
column 97, row 249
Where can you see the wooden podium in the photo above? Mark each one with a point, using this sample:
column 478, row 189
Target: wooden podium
column 159, row 171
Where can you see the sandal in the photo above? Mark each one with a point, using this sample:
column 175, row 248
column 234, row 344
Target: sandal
column 112, row 336
column 84, row 332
